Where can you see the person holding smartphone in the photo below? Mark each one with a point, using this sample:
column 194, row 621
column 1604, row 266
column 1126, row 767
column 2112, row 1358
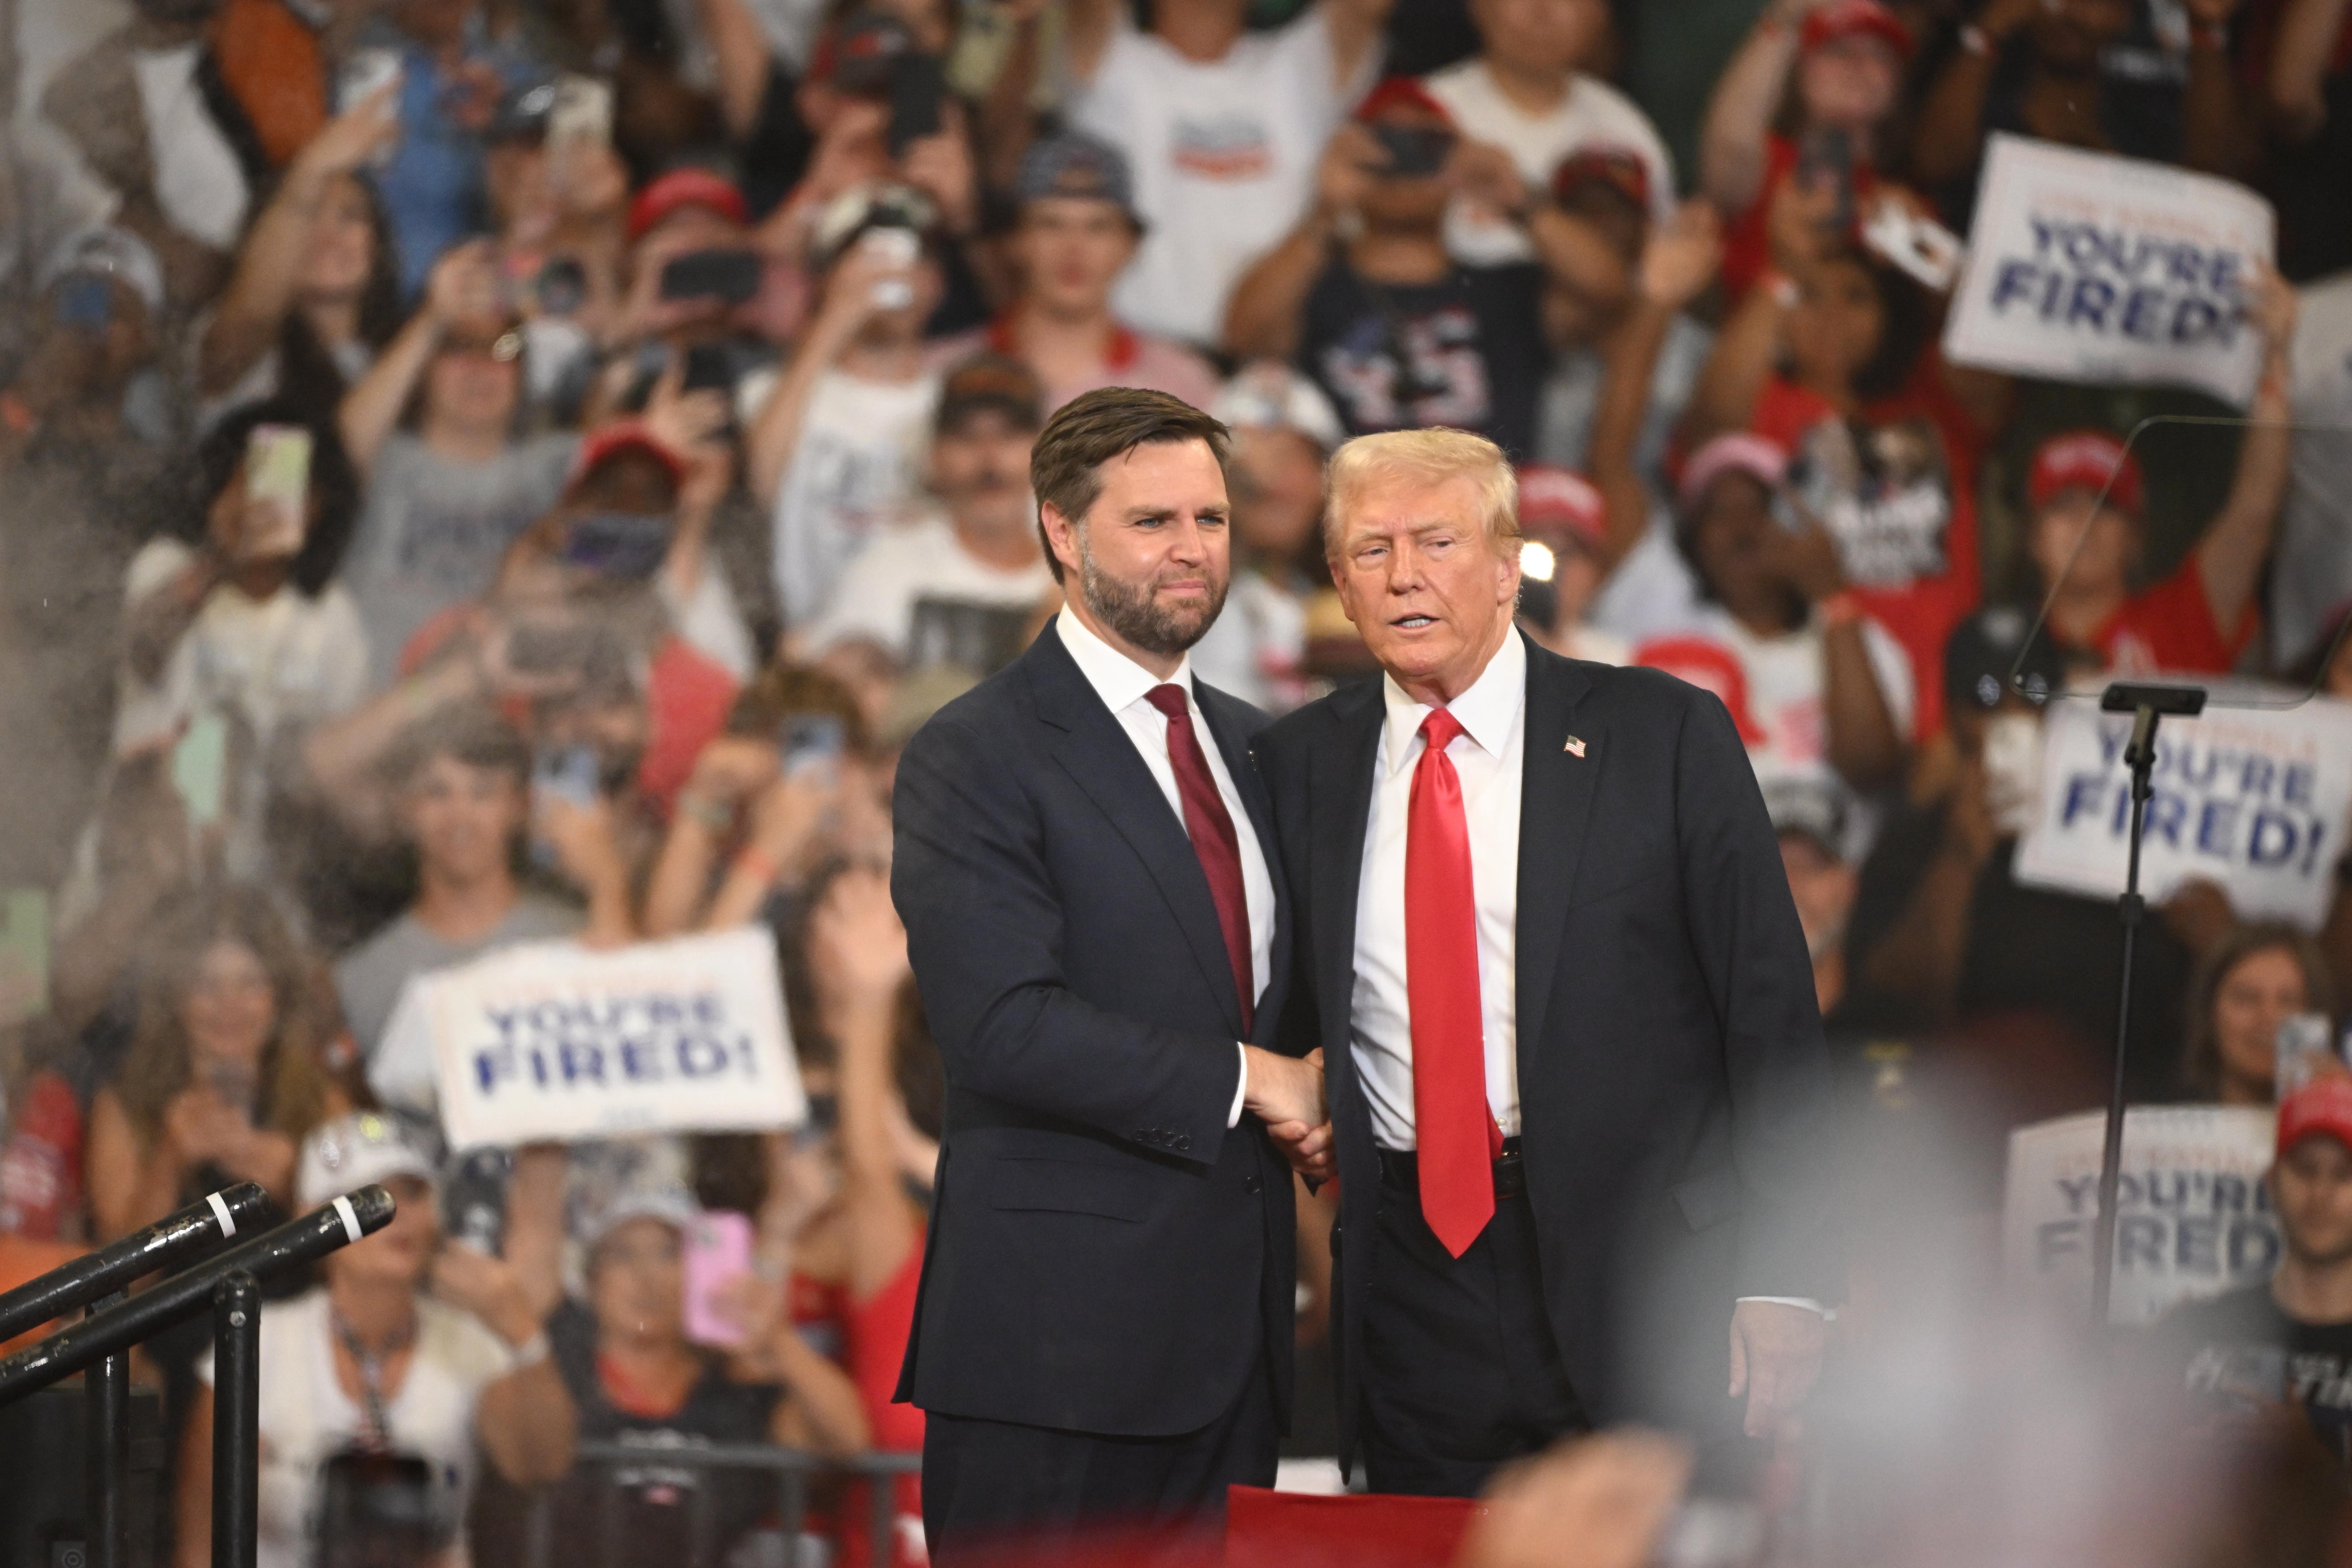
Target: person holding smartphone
column 1365, row 298
column 380, row 1387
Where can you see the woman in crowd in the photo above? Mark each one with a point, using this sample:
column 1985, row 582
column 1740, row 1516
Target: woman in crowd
column 223, row 1078
column 2255, row 978
column 377, row 1388
column 451, row 481
column 234, row 620
column 1831, row 359
column 315, row 293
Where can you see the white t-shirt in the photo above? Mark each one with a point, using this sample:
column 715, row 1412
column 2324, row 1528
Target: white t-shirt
column 2312, row 574
column 199, row 183
column 1781, row 713
column 1223, row 156
column 916, row 563
column 854, row 471
column 307, row 1418
column 1592, row 114
column 289, row 660
column 1257, row 647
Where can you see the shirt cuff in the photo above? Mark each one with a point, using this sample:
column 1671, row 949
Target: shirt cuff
column 1241, row 1086
column 1807, row 1302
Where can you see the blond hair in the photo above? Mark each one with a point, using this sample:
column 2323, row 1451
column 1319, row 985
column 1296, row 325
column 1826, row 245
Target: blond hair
column 1423, row 459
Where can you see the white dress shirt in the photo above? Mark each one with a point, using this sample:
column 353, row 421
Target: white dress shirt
column 1486, row 758
column 1124, row 685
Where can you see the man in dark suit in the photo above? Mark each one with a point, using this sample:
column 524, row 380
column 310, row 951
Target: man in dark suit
column 1085, row 869
column 1545, row 942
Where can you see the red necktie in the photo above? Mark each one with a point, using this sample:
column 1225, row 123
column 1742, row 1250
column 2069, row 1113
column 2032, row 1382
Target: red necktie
column 1211, row 829
column 1456, row 1133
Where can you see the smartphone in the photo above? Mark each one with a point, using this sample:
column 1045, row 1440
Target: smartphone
column 474, row 1199
column 1415, row 151
column 86, row 300
column 24, row 952
column 375, row 1510
column 2305, row 1048
column 582, row 113
column 200, row 769
column 730, row 276
column 276, row 489
column 561, row 286
column 718, row 1253
column 811, row 740
column 917, row 83
column 1829, row 152
column 568, row 774
column 367, row 71
column 629, row 546
column 708, row 368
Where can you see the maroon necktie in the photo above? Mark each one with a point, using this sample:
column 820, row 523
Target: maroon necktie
column 1456, row 1132
column 1211, row 829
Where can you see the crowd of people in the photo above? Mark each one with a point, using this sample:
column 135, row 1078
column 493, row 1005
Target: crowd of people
column 476, row 472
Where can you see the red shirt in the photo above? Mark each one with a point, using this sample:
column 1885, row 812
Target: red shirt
column 874, row 1336
column 1906, row 524
column 688, row 697
column 2170, row 629
column 1747, row 244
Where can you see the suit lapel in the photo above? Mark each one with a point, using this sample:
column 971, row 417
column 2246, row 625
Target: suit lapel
column 1339, row 807
column 1224, row 714
column 1554, row 806
column 1101, row 760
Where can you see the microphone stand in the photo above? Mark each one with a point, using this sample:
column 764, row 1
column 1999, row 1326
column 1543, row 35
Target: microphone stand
column 2146, row 704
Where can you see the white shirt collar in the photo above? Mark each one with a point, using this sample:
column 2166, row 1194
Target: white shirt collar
column 1488, row 710
column 1117, row 679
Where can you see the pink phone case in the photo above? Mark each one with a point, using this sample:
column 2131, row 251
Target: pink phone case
column 718, row 1252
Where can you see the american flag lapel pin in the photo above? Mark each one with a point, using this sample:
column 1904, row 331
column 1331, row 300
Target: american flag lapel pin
column 1575, row 747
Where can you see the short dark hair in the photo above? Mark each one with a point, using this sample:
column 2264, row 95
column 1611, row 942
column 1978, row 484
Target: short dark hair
column 1066, row 466
column 474, row 733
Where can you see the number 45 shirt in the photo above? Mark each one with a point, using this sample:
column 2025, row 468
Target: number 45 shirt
column 1466, row 350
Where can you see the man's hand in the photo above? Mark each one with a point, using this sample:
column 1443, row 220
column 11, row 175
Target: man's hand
column 1286, row 1094
column 1596, row 1503
column 1776, row 1355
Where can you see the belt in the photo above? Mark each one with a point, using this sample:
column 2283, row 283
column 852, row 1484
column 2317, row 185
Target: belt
column 1400, row 1168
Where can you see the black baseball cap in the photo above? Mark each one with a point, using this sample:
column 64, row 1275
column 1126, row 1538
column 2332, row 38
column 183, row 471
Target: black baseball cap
column 991, row 381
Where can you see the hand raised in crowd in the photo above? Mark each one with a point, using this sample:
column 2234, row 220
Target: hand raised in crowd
column 1801, row 223
column 732, row 769
column 1350, row 164
column 1805, row 557
column 850, row 298
column 845, row 151
column 1776, row 1355
column 353, row 137
column 857, row 948
column 1682, row 256
column 463, row 286
column 941, row 165
column 685, row 421
column 1489, row 178
column 489, row 1288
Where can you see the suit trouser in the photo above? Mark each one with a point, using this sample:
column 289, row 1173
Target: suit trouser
column 1461, row 1372
column 1002, row 1492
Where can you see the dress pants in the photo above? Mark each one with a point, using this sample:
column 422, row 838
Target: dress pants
column 999, row 1493
column 1460, row 1372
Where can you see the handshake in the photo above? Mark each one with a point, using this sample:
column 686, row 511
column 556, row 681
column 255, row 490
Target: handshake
column 1286, row 1094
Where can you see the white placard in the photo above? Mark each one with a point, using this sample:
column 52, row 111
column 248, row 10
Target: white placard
column 2086, row 267
column 2192, row 1217
column 2255, row 800
column 553, row 1041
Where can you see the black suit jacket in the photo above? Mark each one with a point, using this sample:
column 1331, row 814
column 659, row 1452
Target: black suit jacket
column 1105, row 1255
column 1672, row 1073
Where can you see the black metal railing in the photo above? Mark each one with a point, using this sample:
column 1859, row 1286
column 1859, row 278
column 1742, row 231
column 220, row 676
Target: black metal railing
column 228, row 1285
column 792, row 1471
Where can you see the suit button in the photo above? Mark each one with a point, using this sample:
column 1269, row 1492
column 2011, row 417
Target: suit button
column 1253, row 1185
column 1181, row 1142
column 1146, row 1135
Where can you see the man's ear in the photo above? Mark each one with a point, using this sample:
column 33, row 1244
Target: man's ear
column 1061, row 535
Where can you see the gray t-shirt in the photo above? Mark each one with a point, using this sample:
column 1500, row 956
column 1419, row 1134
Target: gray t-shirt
column 433, row 531
column 369, row 977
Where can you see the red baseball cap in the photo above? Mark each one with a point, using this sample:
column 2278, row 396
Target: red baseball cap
column 1848, row 19
column 2323, row 1105
column 2085, row 459
column 1401, row 92
column 1617, row 166
column 1557, row 502
column 687, row 187
column 1735, row 452
column 617, row 437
